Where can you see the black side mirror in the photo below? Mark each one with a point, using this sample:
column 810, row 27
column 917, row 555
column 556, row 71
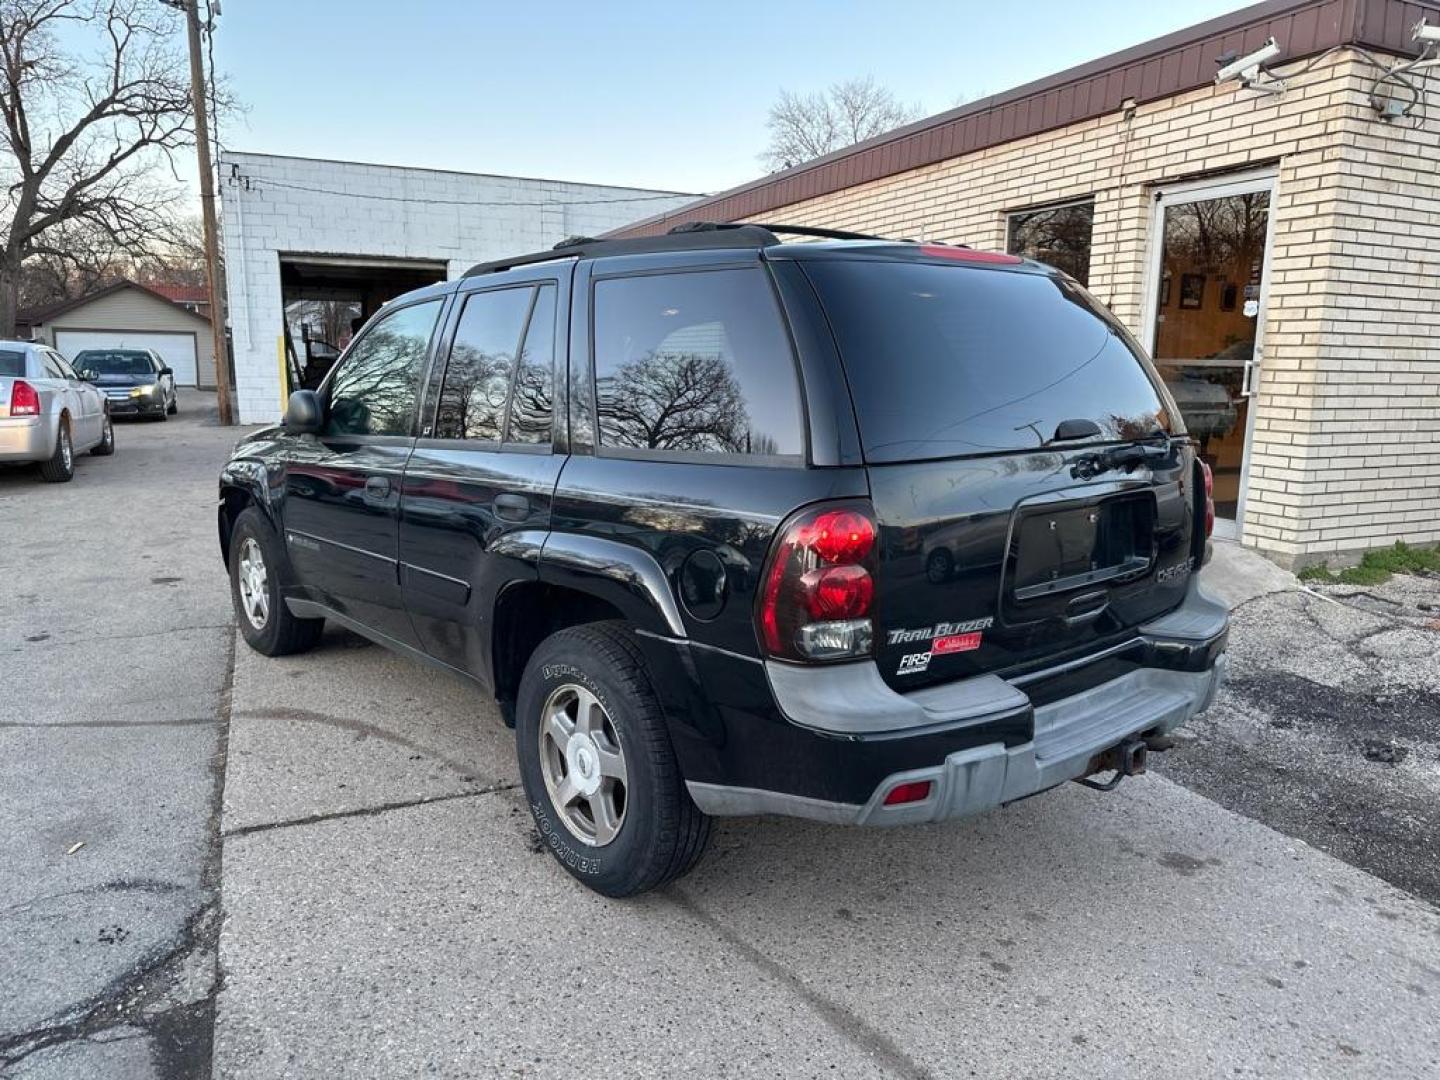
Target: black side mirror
column 303, row 415
column 167, row 371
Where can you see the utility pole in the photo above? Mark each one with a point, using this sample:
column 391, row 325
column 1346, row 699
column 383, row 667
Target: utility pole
column 207, row 207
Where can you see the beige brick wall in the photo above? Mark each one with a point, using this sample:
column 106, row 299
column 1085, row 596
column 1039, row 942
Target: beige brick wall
column 1346, row 452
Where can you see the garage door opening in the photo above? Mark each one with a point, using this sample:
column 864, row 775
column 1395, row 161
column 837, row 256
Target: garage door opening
column 328, row 298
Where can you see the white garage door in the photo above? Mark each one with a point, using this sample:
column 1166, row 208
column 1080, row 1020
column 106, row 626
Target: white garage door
column 178, row 350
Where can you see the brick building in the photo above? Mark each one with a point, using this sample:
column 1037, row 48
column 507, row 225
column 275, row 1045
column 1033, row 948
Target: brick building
column 1278, row 252
column 313, row 246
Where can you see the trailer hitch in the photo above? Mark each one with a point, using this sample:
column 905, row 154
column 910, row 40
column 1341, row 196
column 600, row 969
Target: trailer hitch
column 1124, row 759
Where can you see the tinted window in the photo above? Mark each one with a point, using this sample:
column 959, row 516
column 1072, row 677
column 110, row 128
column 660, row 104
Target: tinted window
column 532, row 399
column 12, row 363
column 477, row 375
column 51, row 368
column 950, row 360
column 1059, row 236
column 64, row 365
column 696, row 363
column 374, row 392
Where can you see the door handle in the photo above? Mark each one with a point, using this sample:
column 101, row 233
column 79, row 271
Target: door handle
column 512, row 507
column 1248, row 382
column 377, row 487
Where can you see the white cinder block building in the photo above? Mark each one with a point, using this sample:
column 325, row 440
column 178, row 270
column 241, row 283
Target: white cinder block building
column 1278, row 251
column 312, row 246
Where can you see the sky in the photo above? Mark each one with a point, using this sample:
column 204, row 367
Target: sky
column 663, row 95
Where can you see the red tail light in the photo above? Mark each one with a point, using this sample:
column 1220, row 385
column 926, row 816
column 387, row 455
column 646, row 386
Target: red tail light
column 1209, row 497
column 819, row 586
column 24, row 400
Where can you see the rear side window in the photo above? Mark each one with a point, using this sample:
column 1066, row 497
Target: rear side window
column 12, row 364
column 477, row 375
column 949, row 360
column 532, row 398
column 695, row 363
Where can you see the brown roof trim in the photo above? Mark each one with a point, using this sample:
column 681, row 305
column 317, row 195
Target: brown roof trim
column 45, row 315
column 1161, row 68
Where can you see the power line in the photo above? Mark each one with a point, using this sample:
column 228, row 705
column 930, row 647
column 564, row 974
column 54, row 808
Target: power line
column 264, row 182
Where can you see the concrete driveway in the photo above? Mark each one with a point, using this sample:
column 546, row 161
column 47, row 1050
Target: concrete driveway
column 390, row 913
column 115, row 644
column 388, row 910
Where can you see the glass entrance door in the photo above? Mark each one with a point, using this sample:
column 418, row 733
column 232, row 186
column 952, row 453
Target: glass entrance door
column 1208, row 314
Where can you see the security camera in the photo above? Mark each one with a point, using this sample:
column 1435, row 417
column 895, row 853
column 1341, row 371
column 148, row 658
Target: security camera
column 1247, row 68
column 1425, row 33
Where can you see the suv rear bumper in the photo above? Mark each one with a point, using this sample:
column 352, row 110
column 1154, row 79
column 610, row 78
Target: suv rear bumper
column 1069, row 735
column 837, row 740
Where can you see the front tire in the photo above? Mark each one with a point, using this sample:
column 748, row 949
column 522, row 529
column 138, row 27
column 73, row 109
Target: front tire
column 60, row 469
column 256, row 563
column 174, row 405
column 106, row 446
column 599, row 773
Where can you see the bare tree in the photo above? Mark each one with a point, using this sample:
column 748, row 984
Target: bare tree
column 805, row 126
column 83, row 139
column 89, row 262
column 177, row 257
column 78, row 258
column 674, row 401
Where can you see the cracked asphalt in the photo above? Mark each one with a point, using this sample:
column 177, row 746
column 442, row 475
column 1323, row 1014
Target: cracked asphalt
column 1329, row 728
column 381, row 906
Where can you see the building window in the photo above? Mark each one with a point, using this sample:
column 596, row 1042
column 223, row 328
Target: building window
column 1057, row 235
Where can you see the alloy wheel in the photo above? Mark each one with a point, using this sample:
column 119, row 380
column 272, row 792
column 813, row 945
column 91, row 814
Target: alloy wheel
column 254, row 584
column 583, row 764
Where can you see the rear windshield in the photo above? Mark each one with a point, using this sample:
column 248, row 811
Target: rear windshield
column 12, row 363
column 952, row 360
column 114, row 362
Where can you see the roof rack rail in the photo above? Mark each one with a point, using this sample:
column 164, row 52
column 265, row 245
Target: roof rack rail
column 731, row 236
column 687, row 236
column 819, row 233
column 790, row 230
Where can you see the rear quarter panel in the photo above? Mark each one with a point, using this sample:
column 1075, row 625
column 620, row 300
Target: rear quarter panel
column 670, row 511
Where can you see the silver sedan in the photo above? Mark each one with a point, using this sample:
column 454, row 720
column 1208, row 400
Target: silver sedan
column 48, row 414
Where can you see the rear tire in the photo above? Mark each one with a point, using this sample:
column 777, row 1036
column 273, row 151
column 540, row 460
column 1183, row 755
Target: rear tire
column 586, row 687
column 60, row 469
column 106, row 446
column 257, row 563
